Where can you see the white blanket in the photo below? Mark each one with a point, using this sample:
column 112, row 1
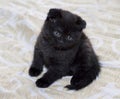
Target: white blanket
column 20, row 24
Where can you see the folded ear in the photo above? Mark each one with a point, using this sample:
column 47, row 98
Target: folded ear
column 54, row 14
column 81, row 23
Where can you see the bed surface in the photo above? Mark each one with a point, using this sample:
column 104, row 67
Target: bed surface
column 20, row 24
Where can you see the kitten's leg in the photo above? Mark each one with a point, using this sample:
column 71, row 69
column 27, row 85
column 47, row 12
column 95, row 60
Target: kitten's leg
column 37, row 64
column 49, row 77
column 87, row 69
column 82, row 78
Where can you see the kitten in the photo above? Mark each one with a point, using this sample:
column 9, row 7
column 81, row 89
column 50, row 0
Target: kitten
column 65, row 50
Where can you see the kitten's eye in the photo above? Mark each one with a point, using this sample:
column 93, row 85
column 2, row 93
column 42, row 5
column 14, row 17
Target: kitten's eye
column 69, row 38
column 57, row 34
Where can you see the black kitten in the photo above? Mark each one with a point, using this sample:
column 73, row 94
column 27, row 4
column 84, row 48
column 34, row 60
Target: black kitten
column 65, row 50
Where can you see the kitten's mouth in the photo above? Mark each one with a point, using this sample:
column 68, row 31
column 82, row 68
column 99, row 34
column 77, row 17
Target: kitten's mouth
column 63, row 48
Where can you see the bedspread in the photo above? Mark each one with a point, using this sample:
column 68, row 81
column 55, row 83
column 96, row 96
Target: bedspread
column 20, row 24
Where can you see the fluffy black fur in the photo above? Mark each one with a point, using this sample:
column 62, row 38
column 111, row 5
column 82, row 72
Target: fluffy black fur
column 65, row 50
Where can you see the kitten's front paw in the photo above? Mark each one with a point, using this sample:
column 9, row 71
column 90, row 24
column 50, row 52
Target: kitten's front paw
column 75, row 84
column 34, row 71
column 42, row 83
column 71, row 87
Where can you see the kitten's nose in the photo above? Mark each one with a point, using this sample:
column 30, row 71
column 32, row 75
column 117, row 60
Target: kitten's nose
column 61, row 41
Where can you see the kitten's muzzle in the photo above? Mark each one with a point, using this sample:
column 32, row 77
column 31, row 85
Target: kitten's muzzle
column 61, row 41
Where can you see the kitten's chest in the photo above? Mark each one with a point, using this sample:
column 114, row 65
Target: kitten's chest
column 56, row 56
column 59, row 57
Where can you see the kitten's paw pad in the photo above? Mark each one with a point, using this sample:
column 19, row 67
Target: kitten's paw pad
column 34, row 72
column 42, row 83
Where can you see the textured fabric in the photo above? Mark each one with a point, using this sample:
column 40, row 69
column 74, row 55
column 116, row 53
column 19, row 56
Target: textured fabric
column 20, row 24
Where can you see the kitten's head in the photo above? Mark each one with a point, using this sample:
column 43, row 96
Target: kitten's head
column 62, row 28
